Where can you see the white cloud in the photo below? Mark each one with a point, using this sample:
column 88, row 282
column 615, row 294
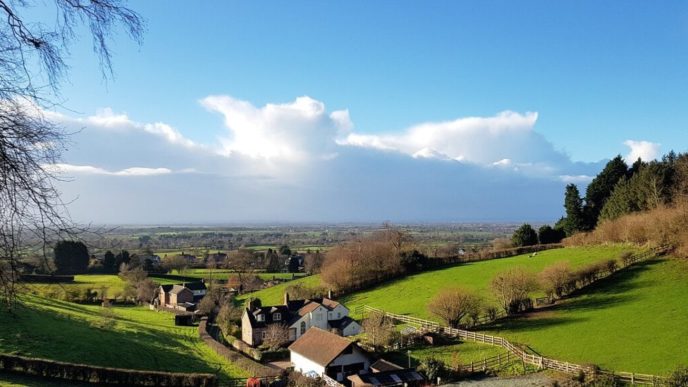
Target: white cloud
column 576, row 179
column 479, row 140
column 644, row 150
column 293, row 131
column 63, row 168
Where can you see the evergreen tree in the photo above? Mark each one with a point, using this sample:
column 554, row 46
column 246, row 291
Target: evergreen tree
column 71, row 257
column 575, row 220
column 524, row 236
column 547, row 234
column 600, row 188
column 109, row 262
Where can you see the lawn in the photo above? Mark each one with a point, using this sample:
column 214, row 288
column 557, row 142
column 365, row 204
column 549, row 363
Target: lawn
column 131, row 337
column 275, row 295
column 451, row 354
column 634, row 321
column 111, row 284
column 410, row 295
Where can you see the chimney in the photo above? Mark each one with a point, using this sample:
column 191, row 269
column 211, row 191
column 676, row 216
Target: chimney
column 329, row 294
column 286, row 298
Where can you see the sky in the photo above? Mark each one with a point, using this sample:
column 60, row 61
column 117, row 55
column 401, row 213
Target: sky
column 359, row 111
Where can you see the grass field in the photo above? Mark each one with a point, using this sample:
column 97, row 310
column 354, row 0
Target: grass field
column 132, row 337
column 223, row 274
column 111, row 284
column 410, row 295
column 275, row 295
column 635, row 321
column 452, row 354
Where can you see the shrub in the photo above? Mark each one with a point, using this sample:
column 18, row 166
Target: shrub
column 432, row 368
column 512, row 288
column 678, row 378
column 455, row 305
column 554, row 279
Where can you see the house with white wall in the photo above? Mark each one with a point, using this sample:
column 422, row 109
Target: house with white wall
column 298, row 316
column 319, row 353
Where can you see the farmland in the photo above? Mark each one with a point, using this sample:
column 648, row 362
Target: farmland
column 632, row 321
column 627, row 322
column 124, row 337
column 410, row 295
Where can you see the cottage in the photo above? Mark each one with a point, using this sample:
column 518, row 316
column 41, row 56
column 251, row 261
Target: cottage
column 298, row 316
column 182, row 297
column 319, row 352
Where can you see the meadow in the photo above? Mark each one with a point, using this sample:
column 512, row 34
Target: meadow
column 121, row 336
column 411, row 294
column 224, row 274
column 634, row 321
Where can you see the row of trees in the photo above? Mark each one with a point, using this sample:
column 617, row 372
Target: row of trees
column 385, row 254
column 527, row 236
column 619, row 190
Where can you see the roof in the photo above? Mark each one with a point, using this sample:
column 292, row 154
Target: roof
column 269, row 313
column 166, row 288
column 342, row 323
column 176, row 289
column 320, row 346
column 383, row 365
column 388, row 378
column 195, row 285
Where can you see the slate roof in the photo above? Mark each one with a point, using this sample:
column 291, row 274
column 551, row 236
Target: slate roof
column 269, row 313
column 388, row 378
column 383, row 365
column 342, row 323
column 320, row 346
column 195, row 285
column 176, row 289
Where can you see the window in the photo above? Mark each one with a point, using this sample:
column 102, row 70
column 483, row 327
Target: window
column 260, row 317
column 263, row 335
column 303, row 327
column 277, row 316
column 339, row 315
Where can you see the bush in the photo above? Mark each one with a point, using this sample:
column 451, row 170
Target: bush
column 455, row 305
column 678, row 378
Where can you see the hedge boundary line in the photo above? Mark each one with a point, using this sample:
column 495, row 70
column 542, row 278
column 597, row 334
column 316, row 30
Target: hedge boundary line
column 102, row 375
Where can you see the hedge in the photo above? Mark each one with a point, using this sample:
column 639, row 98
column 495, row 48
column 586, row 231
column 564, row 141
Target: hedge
column 250, row 365
column 102, row 375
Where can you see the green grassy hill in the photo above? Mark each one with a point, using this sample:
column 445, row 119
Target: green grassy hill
column 131, row 337
column 634, row 321
column 411, row 295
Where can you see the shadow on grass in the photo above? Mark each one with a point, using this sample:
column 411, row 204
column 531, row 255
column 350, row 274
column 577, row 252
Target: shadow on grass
column 606, row 293
column 37, row 332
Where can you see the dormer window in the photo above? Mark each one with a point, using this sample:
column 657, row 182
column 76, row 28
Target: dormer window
column 277, row 316
column 260, row 317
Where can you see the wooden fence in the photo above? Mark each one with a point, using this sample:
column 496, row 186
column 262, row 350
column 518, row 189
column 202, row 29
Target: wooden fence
column 540, row 362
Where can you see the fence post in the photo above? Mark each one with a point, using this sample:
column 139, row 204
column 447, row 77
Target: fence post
column 472, row 366
column 484, row 364
column 632, row 379
column 499, row 360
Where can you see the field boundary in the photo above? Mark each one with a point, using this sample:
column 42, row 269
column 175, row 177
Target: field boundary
column 528, row 358
column 95, row 374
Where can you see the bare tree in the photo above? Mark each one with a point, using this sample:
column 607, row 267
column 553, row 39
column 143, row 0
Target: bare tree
column 276, row 336
column 30, row 207
column 554, row 279
column 454, row 305
column 512, row 288
column 379, row 329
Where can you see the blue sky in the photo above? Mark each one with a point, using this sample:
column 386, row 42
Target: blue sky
column 553, row 88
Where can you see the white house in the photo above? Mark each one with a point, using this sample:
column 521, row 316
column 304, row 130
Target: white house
column 319, row 352
column 298, row 316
